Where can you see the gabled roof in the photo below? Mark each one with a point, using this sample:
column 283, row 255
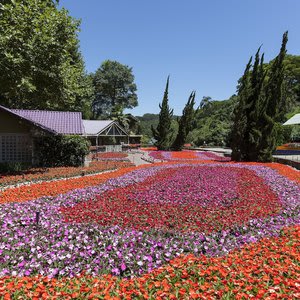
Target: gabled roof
column 293, row 120
column 61, row 122
column 103, row 127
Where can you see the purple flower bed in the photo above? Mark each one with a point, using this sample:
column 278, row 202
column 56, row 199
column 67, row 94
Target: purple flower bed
column 55, row 248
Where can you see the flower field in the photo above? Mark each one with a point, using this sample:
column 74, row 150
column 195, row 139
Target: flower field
column 190, row 228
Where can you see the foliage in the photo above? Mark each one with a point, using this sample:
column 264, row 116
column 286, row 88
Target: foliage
column 186, row 123
column 246, row 131
column 127, row 121
column 163, row 133
column 213, row 122
column 41, row 67
column 275, row 106
column 291, row 83
column 59, row 150
column 114, row 87
column 260, row 106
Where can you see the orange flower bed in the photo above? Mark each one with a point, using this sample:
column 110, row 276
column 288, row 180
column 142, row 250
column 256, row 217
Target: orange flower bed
column 149, row 148
column 265, row 270
column 291, row 146
column 38, row 174
column 53, row 188
column 184, row 155
column 284, row 170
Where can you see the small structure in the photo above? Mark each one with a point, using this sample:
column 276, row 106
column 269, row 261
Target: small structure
column 293, row 120
column 19, row 128
column 108, row 135
column 105, row 132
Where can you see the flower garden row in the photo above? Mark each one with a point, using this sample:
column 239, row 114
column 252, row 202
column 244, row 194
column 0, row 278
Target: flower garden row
column 161, row 231
column 265, row 270
column 187, row 155
column 111, row 156
column 39, row 174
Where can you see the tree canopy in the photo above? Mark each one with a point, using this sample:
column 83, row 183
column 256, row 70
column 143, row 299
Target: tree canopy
column 41, row 66
column 114, row 87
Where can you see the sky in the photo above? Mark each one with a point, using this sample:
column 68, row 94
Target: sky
column 203, row 45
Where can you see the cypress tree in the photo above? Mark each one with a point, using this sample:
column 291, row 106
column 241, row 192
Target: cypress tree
column 246, row 130
column 240, row 119
column 254, row 110
column 274, row 104
column 260, row 101
column 185, row 123
column 163, row 132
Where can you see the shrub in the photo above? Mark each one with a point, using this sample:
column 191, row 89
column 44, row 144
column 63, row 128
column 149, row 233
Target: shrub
column 57, row 151
column 13, row 167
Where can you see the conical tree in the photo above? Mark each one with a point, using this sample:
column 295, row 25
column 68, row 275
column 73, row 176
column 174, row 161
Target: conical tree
column 240, row 119
column 246, row 131
column 254, row 109
column 260, row 101
column 274, row 104
column 163, row 132
column 185, row 123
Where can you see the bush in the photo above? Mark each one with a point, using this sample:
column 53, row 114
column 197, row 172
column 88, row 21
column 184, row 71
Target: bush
column 13, row 167
column 58, row 151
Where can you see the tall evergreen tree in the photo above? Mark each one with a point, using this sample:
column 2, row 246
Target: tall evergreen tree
column 240, row 119
column 163, row 132
column 246, row 132
column 275, row 103
column 253, row 110
column 260, row 100
column 185, row 123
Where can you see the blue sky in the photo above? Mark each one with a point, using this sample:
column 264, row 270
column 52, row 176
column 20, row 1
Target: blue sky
column 203, row 45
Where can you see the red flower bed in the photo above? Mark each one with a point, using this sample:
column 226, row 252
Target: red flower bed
column 134, row 207
column 265, row 270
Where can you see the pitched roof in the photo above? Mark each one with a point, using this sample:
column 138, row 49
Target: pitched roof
column 94, row 127
column 61, row 122
column 293, row 120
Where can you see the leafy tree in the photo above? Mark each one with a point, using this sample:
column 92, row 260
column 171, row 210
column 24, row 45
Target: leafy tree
column 114, row 87
column 186, row 123
column 41, row 66
column 163, row 133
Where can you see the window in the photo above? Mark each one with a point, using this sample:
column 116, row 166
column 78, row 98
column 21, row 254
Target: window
column 15, row 148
